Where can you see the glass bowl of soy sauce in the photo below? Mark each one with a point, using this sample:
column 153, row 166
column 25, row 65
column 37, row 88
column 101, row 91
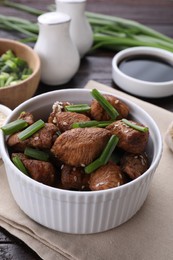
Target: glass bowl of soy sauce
column 144, row 71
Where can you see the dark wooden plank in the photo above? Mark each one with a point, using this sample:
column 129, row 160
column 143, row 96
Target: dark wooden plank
column 4, row 238
column 11, row 248
column 16, row 252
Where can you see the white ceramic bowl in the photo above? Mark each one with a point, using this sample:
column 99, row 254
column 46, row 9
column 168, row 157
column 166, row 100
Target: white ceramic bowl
column 140, row 87
column 73, row 211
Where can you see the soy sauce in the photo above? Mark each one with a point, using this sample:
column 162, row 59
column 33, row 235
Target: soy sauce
column 147, row 68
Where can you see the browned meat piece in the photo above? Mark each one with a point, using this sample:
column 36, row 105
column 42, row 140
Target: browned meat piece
column 80, row 146
column 134, row 165
column 22, row 156
column 64, row 120
column 98, row 113
column 17, row 145
column 106, row 177
column 130, row 140
column 74, row 178
column 40, row 171
column 43, row 139
column 28, row 117
column 57, row 107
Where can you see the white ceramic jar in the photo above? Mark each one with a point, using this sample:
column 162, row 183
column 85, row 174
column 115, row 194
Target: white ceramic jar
column 80, row 29
column 58, row 54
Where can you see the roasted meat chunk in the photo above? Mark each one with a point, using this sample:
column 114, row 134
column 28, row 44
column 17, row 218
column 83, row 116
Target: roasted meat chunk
column 74, row 178
column 22, row 156
column 134, row 165
column 80, row 146
column 130, row 139
column 106, row 177
column 98, row 113
column 64, row 120
column 40, row 171
column 28, row 117
column 58, row 106
column 43, row 139
column 16, row 144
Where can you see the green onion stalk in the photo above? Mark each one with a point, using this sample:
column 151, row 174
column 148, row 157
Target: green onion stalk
column 80, row 108
column 14, row 126
column 109, row 32
column 30, row 130
column 36, row 154
column 92, row 123
column 112, row 112
column 135, row 126
column 104, row 157
column 19, row 164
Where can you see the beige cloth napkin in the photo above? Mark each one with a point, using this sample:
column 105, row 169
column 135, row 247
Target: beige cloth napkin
column 147, row 236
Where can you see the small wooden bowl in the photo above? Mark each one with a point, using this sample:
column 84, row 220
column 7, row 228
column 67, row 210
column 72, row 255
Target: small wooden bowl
column 12, row 96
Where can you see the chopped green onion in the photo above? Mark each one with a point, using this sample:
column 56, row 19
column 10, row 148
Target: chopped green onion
column 14, row 127
column 134, row 126
column 3, row 79
column 109, row 149
column 104, row 123
column 7, row 55
column 85, row 124
column 9, row 80
column 19, row 164
column 36, row 154
column 93, row 166
column 11, row 64
column 91, row 123
column 32, row 129
column 15, row 82
column 79, row 108
column 12, row 69
column 105, row 156
column 112, row 112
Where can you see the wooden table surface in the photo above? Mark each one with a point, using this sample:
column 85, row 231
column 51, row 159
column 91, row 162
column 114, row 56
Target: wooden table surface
column 157, row 14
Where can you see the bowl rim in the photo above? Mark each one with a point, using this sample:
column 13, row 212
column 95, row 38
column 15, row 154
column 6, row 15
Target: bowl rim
column 31, row 50
column 4, row 150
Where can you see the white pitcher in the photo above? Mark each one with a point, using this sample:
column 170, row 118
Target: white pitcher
column 58, row 54
column 80, row 29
